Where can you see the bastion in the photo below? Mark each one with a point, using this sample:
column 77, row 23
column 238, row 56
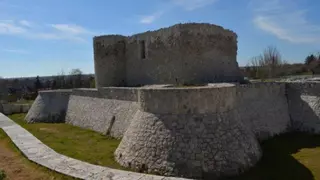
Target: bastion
column 175, row 99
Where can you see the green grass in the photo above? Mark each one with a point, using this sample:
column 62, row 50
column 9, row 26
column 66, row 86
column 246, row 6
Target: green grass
column 294, row 156
column 19, row 166
column 23, row 102
column 74, row 142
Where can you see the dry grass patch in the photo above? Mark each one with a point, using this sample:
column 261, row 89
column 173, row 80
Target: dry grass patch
column 16, row 167
column 75, row 142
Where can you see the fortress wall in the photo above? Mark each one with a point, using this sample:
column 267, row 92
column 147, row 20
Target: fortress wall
column 304, row 106
column 263, row 108
column 183, row 53
column 197, row 100
column 120, row 93
column 190, row 132
column 49, row 107
column 7, row 108
column 89, row 108
column 109, row 60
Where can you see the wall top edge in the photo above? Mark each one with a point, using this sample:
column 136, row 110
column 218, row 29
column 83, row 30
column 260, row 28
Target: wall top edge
column 180, row 26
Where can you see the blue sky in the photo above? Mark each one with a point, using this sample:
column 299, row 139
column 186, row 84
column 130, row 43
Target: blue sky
column 43, row 37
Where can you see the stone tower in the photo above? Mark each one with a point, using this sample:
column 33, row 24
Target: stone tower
column 181, row 54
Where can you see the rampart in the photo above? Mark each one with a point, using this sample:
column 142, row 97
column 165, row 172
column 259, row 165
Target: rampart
column 49, row 107
column 194, row 132
column 184, row 54
column 107, row 110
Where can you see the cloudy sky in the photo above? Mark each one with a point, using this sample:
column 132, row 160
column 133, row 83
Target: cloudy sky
column 43, row 37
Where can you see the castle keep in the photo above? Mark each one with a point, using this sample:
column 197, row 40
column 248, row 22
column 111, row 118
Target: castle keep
column 195, row 132
column 181, row 54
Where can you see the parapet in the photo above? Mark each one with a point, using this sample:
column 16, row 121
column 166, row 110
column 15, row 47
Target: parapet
column 188, row 100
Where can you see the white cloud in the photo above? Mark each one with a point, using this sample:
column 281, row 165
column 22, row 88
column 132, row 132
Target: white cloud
column 9, row 27
column 26, row 23
column 70, row 28
column 27, row 29
column 188, row 5
column 193, row 4
column 285, row 20
column 150, row 18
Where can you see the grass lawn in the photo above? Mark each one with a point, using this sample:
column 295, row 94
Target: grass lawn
column 16, row 167
column 23, row 102
column 293, row 156
column 74, row 142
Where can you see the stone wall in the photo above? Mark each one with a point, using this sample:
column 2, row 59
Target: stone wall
column 49, row 107
column 109, row 60
column 108, row 111
column 263, row 108
column 304, row 106
column 8, row 109
column 189, row 132
column 183, row 53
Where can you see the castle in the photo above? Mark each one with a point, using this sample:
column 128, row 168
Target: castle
column 210, row 130
column 183, row 54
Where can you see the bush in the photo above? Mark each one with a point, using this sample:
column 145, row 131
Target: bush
column 2, row 175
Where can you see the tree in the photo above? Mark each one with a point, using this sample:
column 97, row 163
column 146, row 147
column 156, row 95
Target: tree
column 75, row 72
column 310, row 59
column 60, row 80
column 38, row 84
column 268, row 64
column 47, row 83
column 272, row 60
column 76, row 78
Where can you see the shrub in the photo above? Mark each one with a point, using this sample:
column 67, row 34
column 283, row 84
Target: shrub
column 2, row 175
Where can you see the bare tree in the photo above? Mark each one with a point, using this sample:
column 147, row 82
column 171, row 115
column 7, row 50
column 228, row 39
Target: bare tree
column 75, row 72
column 76, row 78
column 272, row 60
column 268, row 64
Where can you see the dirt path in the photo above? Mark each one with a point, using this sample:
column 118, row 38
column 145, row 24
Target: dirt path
column 17, row 167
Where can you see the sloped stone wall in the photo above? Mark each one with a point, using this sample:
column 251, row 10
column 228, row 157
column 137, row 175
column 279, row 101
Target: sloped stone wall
column 108, row 111
column 263, row 108
column 189, row 132
column 304, row 106
column 49, row 107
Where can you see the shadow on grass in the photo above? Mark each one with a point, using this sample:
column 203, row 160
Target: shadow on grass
column 283, row 156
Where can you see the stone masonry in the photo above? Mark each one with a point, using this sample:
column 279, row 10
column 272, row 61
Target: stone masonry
column 204, row 131
column 193, row 132
column 184, row 54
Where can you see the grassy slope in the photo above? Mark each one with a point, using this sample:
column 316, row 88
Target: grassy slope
column 17, row 167
column 74, row 142
column 291, row 156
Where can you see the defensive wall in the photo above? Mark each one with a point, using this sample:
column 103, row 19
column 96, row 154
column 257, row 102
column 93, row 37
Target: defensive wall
column 190, row 53
column 211, row 130
column 198, row 131
column 8, row 109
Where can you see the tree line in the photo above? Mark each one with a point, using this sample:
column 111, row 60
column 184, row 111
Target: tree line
column 270, row 64
column 27, row 88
